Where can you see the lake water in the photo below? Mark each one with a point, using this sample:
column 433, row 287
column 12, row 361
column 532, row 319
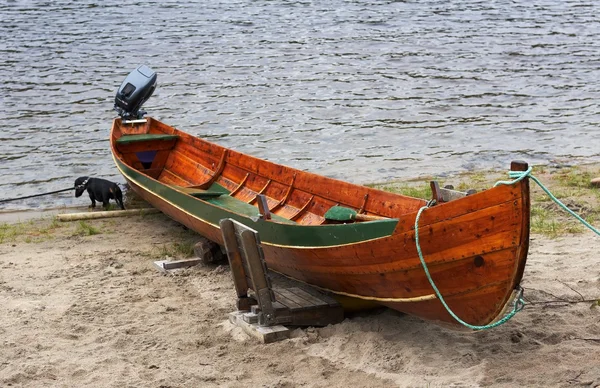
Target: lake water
column 363, row 91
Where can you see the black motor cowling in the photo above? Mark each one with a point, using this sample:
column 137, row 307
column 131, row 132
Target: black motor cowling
column 134, row 91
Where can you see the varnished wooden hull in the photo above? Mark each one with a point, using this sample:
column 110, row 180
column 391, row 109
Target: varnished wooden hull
column 475, row 247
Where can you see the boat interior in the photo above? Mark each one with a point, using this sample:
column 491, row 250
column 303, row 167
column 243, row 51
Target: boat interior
column 243, row 183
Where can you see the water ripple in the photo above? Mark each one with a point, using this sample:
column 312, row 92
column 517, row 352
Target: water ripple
column 361, row 90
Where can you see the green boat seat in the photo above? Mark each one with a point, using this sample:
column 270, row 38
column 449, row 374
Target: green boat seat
column 241, row 207
column 129, row 139
column 219, row 195
column 215, row 190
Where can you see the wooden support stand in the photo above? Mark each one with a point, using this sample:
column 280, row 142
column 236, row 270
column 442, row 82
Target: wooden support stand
column 206, row 251
column 167, row 265
column 261, row 309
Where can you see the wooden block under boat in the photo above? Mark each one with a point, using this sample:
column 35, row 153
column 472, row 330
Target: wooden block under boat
column 266, row 334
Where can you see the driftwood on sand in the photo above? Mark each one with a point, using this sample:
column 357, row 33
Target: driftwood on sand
column 105, row 214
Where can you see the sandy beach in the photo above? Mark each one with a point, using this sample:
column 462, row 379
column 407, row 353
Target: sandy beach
column 81, row 304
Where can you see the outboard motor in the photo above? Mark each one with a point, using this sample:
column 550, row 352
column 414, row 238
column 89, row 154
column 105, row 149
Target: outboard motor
column 134, row 91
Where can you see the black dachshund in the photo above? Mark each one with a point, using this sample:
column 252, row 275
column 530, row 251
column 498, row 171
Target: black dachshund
column 99, row 190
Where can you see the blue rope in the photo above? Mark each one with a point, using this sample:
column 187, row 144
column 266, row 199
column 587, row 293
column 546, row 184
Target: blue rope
column 519, row 303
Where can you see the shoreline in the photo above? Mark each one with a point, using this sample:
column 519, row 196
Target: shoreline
column 449, row 177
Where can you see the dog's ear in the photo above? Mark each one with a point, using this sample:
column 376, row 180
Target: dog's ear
column 80, row 180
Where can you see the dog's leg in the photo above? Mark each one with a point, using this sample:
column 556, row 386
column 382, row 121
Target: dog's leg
column 119, row 198
column 93, row 205
column 108, row 195
column 105, row 200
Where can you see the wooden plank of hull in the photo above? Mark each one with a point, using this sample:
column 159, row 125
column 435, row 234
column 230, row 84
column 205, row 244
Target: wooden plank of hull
column 478, row 307
column 475, row 249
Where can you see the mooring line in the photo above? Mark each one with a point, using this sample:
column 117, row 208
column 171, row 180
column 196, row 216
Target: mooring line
column 36, row 195
column 519, row 302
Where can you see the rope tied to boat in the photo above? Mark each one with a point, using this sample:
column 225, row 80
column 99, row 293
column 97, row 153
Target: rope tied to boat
column 519, row 175
column 519, row 303
column 37, row 195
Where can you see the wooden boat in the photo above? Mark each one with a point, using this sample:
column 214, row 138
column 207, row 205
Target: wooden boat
column 475, row 246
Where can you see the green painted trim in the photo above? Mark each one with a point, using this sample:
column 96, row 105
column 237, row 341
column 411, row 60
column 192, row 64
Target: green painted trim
column 128, row 139
column 240, row 207
column 215, row 190
column 271, row 232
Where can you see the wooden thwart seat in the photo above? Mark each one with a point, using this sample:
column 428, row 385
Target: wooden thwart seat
column 147, row 152
column 240, row 207
column 214, row 191
column 263, row 305
column 144, row 137
column 220, row 196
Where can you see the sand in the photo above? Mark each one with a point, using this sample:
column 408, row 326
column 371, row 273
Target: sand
column 91, row 310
